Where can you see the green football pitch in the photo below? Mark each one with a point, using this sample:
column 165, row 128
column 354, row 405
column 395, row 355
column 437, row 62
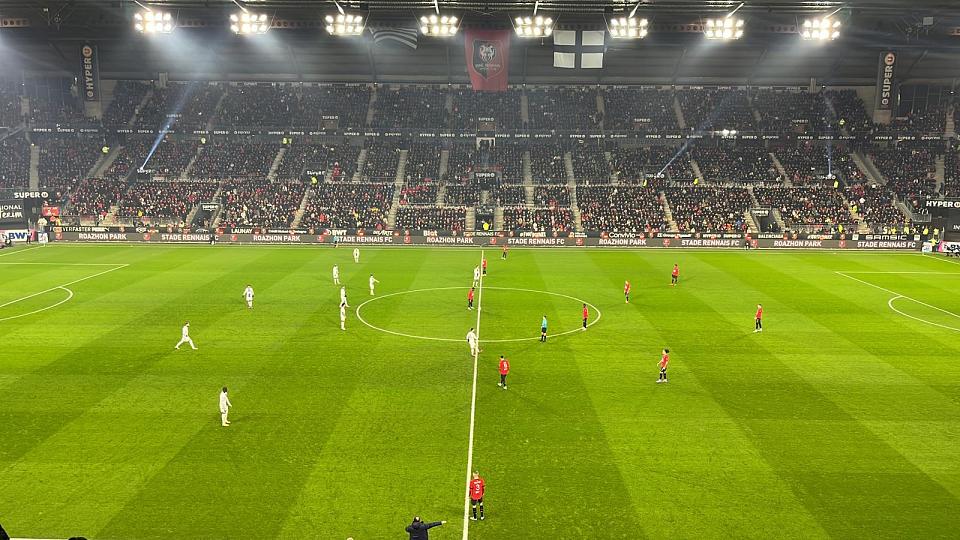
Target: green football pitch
column 841, row 419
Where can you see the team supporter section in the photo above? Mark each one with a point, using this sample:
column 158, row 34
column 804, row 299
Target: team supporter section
column 462, row 160
column 64, row 161
column 172, row 157
column 257, row 106
column 432, row 218
column 736, row 164
column 876, row 205
column 182, row 106
column 332, row 161
column 466, row 194
column 808, row 209
column 716, row 110
column 423, row 162
column 164, row 203
column 410, row 107
column 805, row 164
column 563, row 108
column 551, row 196
column 557, row 220
column 52, row 103
column 257, row 204
column 348, row 205
column 222, row 159
column 909, row 170
column 127, row 96
column 129, row 158
column 507, row 158
column 709, row 209
column 10, row 112
column 620, row 209
column 783, row 112
column 95, row 197
column 951, row 180
column 419, row 192
column 473, row 109
column 381, row 161
column 639, row 109
column 14, row 163
column 631, row 165
column 348, row 103
column 510, row 195
column 851, row 112
column 546, row 164
column 590, row 165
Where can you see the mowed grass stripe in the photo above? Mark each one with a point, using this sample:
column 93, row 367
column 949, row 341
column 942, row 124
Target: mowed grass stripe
column 677, row 447
column 399, row 446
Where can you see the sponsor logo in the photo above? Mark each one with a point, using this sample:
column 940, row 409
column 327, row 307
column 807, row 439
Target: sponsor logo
column 89, row 72
column 31, row 194
column 798, row 243
column 887, row 80
column 104, row 236
column 486, row 57
column 942, row 203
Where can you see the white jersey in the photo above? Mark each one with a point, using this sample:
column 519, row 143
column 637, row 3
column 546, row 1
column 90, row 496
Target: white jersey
column 343, row 313
column 343, row 295
column 224, row 402
column 476, row 273
column 356, row 255
column 373, row 280
column 248, row 293
column 471, row 338
column 185, row 332
column 336, row 272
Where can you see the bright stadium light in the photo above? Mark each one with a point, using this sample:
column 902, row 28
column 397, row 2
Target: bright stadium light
column 149, row 21
column 726, row 28
column 245, row 23
column 824, row 29
column 627, row 28
column 533, row 26
column 344, row 24
column 439, row 25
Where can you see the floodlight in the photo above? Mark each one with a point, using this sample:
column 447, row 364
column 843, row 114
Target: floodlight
column 149, row 21
column 344, row 24
column 439, row 25
column 725, row 28
column 249, row 23
column 533, row 26
column 825, row 29
column 627, row 28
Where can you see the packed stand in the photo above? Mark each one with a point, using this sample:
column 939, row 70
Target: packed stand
column 909, row 170
column 64, row 161
column 10, row 114
column 510, row 196
column 127, row 96
column 182, row 106
column 53, row 102
column 551, row 196
column 951, row 180
column 221, row 160
column 875, row 204
column 620, row 209
column 129, row 158
column 172, row 157
column 792, row 112
column 716, row 110
column 347, row 102
column 557, row 220
column 432, row 218
column 419, row 192
column 381, row 161
column 589, row 164
column 462, row 160
column 850, row 111
column 634, row 165
column 262, row 105
column 736, row 164
column 704, row 209
column 14, row 163
column 423, row 162
column 166, row 202
column 95, row 197
column 331, row 161
column 563, row 108
column 931, row 121
column 547, row 165
column 410, row 107
column 508, row 158
column 469, row 107
column 810, row 209
column 805, row 164
column 639, row 109
column 467, row 194
column 348, row 205
column 848, row 169
column 271, row 205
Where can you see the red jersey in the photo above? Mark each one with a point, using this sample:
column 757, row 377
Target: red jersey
column 504, row 366
column 759, row 312
column 470, row 295
column 676, row 271
column 484, row 263
column 664, row 360
column 585, row 313
column 626, row 288
column 477, row 487
column 505, row 248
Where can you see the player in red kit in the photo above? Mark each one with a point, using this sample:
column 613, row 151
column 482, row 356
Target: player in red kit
column 484, row 266
column 504, row 371
column 664, row 360
column 470, row 299
column 675, row 275
column 758, row 326
column 626, row 291
column 477, row 487
column 503, row 253
column 586, row 315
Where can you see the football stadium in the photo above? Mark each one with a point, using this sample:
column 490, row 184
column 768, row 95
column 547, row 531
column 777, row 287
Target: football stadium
column 455, row 269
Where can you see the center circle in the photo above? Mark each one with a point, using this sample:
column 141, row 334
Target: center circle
column 595, row 314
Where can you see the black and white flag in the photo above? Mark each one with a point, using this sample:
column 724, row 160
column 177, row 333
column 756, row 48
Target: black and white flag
column 396, row 36
column 580, row 49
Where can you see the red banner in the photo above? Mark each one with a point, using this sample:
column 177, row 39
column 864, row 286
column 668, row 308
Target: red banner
column 488, row 59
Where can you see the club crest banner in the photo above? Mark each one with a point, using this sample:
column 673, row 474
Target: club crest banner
column 488, row 58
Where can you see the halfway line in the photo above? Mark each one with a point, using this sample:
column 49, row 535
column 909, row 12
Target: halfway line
column 473, row 413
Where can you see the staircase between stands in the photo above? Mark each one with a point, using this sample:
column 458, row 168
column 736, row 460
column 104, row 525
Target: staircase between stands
column 668, row 214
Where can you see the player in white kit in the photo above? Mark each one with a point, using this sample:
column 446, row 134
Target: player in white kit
column 224, row 407
column 476, row 276
column 336, row 275
column 343, row 317
column 343, row 297
column 373, row 281
column 248, row 296
column 356, row 255
column 185, row 337
column 472, row 341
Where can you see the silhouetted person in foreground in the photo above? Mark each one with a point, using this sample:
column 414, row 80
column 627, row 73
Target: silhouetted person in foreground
column 418, row 529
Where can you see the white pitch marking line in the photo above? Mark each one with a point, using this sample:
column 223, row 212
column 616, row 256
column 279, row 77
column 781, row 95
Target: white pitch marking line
column 473, row 412
column 62, row 263
column 934, row 257
column 63, row 286
column 23, row 250
column 890, row 305
column 65, row 300
column 897, row 295
column 891, row 272
column 453, row 340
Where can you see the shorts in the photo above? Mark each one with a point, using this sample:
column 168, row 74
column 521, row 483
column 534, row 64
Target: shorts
column 543, row 329
column 663, row 370
column 476, row 501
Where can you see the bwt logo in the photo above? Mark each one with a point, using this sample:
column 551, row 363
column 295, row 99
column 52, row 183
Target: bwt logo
column 17, row 236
